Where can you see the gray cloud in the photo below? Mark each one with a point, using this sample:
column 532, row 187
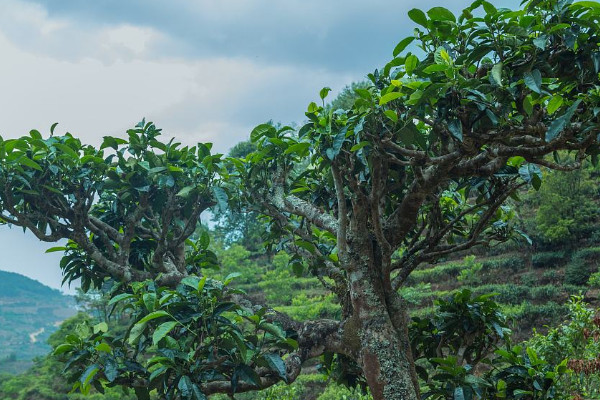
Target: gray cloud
column 351, row 36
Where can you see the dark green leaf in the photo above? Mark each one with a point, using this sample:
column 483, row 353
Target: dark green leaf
column 162, row 330
column 402, row 45
column 221, row 197
column 418, row 16
column 276, row 364
column 533, row 80
column 561, row 122
column 441, row 14
column 455, row 128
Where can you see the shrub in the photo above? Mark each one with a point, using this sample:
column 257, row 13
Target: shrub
column 573, row 289
column 470, row 270
column 590, row 253
column 550, row 276
column 529, row 279
column 594, row 280
column 513, row 263
column 415, row 294
column 577, row 273
column 544, row 292
column 548, row 259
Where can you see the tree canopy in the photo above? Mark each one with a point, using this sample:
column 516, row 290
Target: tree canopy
column 421, row 166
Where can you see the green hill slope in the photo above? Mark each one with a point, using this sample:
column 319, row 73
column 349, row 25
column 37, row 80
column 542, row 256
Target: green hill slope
column 29, row 313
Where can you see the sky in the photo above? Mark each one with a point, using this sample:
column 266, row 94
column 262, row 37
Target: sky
column 203, row 71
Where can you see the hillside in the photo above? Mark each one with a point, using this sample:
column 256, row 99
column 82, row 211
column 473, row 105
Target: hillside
column 29, row 313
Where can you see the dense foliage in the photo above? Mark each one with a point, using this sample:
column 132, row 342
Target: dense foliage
column 418, row 168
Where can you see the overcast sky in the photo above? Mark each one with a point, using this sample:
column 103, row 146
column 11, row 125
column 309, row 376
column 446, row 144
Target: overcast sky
column 202, row 70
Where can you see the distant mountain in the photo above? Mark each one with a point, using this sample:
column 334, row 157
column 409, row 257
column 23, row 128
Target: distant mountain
column 29, row 313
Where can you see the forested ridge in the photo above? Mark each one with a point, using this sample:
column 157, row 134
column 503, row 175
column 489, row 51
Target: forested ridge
column 29, row 313
column 404, row 245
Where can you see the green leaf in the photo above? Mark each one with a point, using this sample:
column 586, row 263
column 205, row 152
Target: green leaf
column 276, row 364
column 185, row 191
column 298, row 148
column 55, row 249
column 88, row 374
column 455, row 128
column 135, row 332
column 386, row 98
column 120, row 297
column 402, row 45
column 359, row 146
column 338, row 142
column 100, row 327
column 67, row 150
column 191, row 281
column 532, row 174
column 489, row 7
column 110, row 370
column 430, row 69
column 441, row 14
column 418, row 16
column 554, row 104
column 201, row 284
column 154, row 315
column 515, row 161
column 103, row 347
column 162, row 330
column 262, row 130
column 561, row 122
column 29, row 163
column 533, row 80
column 410, row 64
column 229, row 278
column 459, row 394
column 149, row 300
column 391, row 114
column 590, row 4
column 63, row 348
column 272, row 329
column 324, row 92
column 34, row 133
column 221, row 197
column 497, row 74
column 541, row 42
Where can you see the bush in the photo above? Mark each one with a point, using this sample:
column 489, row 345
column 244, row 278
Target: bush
column 470, row 270
column 506, row 294
column 594, row 280
column 338, row 392
column 577, row 273
column 548, row 259
column 551, row 276
column 529, row 279
column 587, row 254
column 545, row 292
column 573, row 289
column 513, row 263
column 436, row 273
column 415, row 294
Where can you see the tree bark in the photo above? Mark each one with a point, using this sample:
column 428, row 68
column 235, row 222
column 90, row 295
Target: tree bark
column 385, row 355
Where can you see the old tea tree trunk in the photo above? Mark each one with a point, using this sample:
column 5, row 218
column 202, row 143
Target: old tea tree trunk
column 423, row 163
